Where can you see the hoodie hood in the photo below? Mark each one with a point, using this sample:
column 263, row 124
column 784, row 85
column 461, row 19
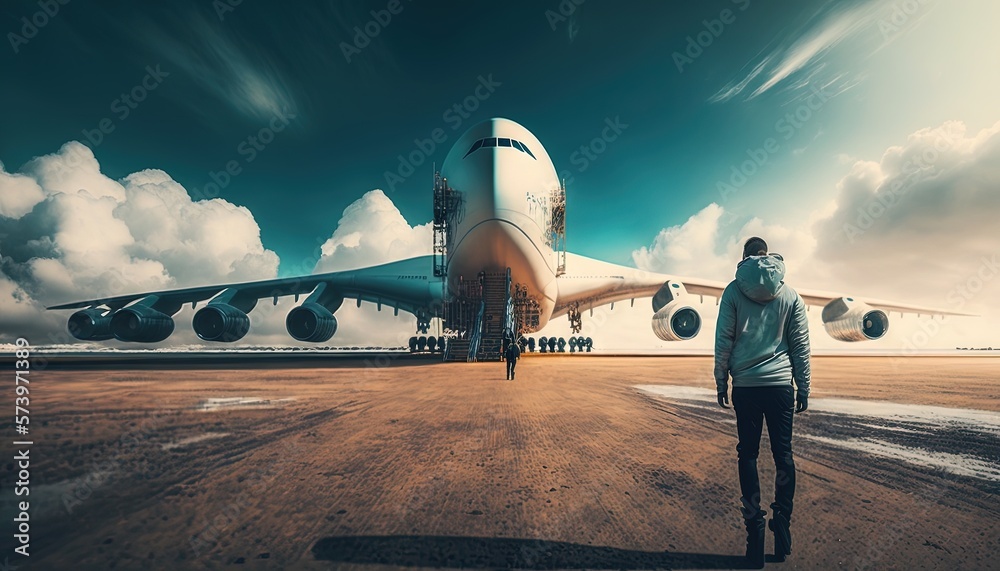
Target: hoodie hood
column 759, row 277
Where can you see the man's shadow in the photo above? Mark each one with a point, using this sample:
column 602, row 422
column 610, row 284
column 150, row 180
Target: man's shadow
column 504, row 553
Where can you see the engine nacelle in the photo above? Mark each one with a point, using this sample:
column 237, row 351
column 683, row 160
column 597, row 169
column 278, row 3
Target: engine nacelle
column 846, row 319
column 92, row 324
column 220, row 322
column 141, row 324
column 311, row 322
column 676, row 321
column 674, row 317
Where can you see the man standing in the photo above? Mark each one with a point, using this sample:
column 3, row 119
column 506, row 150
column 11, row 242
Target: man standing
column 512, row 354
column 762, row 341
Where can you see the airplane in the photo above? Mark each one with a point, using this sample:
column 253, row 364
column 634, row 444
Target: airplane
column 499, row 240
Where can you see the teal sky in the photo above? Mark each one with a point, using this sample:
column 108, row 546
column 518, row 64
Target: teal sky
column 890, row 68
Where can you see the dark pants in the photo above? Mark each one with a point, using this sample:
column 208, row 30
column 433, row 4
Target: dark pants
column 776, row 406
column 510, row 368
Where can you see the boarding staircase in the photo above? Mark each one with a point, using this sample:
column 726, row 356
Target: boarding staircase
column 481, row 315
column 496, row 295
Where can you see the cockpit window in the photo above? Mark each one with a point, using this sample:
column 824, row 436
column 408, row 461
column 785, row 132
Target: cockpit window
column 499, row 142
column 475, row 146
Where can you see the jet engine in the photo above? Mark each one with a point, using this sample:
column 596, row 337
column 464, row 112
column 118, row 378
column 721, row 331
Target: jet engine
column 92, row 324
column 225, row 317
column 141, row 323
column 313, row 321
column 675, row 319
column 220, row 322
column 847, row 319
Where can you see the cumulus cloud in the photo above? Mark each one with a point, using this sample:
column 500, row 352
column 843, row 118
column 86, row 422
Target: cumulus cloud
column 90, row 236
column 18, row 194
column 707, row 244
column 69, row 232
column 937, row 196
column 916, row 226
column 373, row 231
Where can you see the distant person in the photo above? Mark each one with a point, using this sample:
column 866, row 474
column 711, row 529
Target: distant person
column 762, row 341
column 512, row 354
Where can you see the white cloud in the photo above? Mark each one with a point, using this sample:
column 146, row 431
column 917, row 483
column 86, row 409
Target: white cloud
column 929, row 207
column 83, row 235
column 73, row 169
column 373, row 231
column 195, row 241
column 20, row 315
column 931, row 240
column 91, row 236
column 18, row 194
column 691, row 248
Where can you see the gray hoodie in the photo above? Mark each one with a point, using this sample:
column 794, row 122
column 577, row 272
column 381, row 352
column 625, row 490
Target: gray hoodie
column 762, row 337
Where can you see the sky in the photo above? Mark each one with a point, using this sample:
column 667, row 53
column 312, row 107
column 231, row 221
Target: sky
column 145, row 147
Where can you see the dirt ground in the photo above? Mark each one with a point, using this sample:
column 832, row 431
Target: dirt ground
column 397, row 462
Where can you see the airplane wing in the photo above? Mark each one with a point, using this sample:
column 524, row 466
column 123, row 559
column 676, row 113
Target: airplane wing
column 593, row 283
column 407, row 285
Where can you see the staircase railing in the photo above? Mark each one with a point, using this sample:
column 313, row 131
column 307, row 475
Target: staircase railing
column 509, row 326
column 477, row 333
column 510, row 319
column 447, row 349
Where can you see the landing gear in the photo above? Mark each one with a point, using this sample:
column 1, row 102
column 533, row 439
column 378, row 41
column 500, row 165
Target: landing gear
column 575, row 319
column 423, row 322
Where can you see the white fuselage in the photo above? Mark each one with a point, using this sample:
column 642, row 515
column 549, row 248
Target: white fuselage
column 503, row 219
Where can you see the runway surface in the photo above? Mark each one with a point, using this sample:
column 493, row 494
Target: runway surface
column 582, row 462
